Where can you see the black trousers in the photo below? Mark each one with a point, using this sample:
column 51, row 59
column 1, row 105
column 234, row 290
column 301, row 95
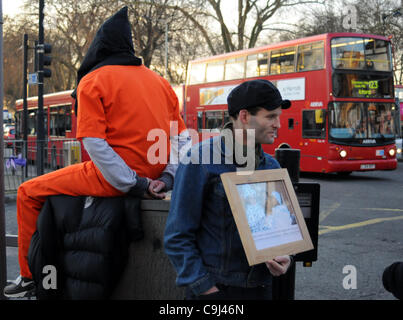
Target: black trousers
column 234, row 293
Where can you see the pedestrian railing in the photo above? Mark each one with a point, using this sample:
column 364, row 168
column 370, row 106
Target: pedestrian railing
column 20, row 159
column 20, row 164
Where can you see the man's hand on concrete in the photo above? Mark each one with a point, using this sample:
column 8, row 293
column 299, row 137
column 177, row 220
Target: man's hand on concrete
column 155, row 189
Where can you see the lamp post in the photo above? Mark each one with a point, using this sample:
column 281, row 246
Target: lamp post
column 40, row 134
column 166, row 49
column 3, row 253
column 41, row 50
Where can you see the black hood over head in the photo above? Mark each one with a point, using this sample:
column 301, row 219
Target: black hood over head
column 112, row 45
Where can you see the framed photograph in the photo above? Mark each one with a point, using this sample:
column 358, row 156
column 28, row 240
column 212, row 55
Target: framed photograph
column 267, row 214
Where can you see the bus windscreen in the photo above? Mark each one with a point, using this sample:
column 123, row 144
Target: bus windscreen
column 359, row 120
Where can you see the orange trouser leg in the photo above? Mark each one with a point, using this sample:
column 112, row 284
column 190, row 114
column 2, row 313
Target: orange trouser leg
column 82, row 179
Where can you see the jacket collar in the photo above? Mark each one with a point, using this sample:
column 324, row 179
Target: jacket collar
column 232, row 151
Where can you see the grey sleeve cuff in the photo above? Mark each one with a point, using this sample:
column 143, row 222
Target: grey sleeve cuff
column 168, row 180
column 140, row 188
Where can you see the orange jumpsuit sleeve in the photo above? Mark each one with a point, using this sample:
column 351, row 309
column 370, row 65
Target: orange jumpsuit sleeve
column 91, row 121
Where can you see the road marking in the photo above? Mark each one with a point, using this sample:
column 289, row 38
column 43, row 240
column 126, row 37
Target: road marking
column 323, row 214
column 327, row 229
column 382, row 209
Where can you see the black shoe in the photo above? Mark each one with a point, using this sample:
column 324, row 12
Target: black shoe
column 20, row 288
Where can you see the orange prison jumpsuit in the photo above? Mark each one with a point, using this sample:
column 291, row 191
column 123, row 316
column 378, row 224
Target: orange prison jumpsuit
column 120, row 104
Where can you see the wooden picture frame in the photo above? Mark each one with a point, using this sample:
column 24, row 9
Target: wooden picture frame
column 267, row 214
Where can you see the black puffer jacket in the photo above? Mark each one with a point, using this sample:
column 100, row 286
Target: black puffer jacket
column 87, row 246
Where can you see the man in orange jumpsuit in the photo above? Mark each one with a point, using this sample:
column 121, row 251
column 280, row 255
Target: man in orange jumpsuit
column 119, row 102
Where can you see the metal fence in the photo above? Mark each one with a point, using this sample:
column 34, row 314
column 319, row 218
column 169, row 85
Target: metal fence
column 20, row 159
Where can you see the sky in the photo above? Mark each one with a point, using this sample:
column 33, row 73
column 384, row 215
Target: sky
column 10, row 7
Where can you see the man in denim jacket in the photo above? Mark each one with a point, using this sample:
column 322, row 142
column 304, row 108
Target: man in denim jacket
column 201, row 237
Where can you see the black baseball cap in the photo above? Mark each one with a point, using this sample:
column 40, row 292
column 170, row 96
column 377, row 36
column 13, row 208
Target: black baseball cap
column 255, row 93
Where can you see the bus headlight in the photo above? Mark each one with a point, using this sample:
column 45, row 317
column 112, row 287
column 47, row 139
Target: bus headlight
column 343, row 153
column 399, row 150
column 392, row 152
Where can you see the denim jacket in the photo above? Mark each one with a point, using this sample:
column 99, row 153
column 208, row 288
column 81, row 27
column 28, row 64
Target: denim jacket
column 201, row 238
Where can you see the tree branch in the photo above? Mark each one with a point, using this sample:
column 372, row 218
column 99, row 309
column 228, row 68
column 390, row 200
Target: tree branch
column 191, row 18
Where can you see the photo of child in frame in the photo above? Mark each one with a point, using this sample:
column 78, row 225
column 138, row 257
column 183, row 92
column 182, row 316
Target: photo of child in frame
column 270, row 214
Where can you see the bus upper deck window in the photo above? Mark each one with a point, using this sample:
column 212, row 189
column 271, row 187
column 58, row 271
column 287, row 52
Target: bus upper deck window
column 282, row 61
column 215, row 71
column 235, row 68
column 310, row 56
column 348, row 53
column 257, row 65
column 377, row 55
column 361, row 53
column 197, row 73
column 275, row 62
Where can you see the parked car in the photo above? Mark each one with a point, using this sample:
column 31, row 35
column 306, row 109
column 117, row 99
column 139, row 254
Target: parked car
column 9, row 134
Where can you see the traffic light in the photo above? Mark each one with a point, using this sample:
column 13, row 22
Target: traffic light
column 45, row 49
column 47, row 60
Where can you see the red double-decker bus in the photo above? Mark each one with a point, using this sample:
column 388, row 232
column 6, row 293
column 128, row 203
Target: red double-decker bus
column 399, row 120
column 399, row 101
column 341, row 88
column 60, row 127
column 180, row 93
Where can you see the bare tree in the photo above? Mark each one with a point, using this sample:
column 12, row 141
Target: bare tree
column 384, row 17
column 76, row 22
column 184, row 28
column 149, row 24
column 70, row 26
column 319, row 20
column 14, row 29
column 253, row 19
